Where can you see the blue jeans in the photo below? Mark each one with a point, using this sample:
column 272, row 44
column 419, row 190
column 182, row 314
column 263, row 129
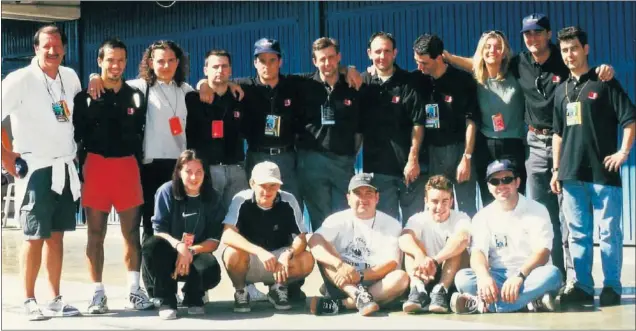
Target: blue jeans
column 324, row 179
column 538, row 168
column 443, row 160
column 395, row 196
column 228, row 180
column 540, row 281
column 583, row 204
column 286, row 162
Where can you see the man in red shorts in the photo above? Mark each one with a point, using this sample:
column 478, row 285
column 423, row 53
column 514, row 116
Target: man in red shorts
column 109, row 133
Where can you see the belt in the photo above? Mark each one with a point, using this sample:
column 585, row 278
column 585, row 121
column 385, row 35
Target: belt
column 545, row 132
column 272, row 151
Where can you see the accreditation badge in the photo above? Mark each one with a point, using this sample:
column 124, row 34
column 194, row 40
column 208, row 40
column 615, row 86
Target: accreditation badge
column 61, row 111
column 272, row 125
column 175, row 125
column 498, row 123
column 217, row 129
column 327, row 115
column 573, row 113
column 432, row 116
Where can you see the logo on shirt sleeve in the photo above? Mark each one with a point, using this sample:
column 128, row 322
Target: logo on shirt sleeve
column 347, row 102
column 396, row 99
column 287, row 102
column 592, row 95
column 556, row 79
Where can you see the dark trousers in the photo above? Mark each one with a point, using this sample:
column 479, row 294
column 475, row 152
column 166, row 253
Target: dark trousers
column 160, row 259
column 153, row 175
column 488, row 150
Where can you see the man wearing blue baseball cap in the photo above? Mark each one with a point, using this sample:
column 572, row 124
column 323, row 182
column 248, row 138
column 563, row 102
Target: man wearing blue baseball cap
column 539, row 70
column 510, row 252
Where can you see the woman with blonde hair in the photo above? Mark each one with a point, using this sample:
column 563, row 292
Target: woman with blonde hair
column 502, row 104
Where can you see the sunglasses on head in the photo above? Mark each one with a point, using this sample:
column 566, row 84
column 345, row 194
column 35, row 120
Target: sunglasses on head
column 497, row 32
column 504, row 180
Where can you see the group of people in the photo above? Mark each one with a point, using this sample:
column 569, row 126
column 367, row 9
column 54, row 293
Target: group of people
column 170, row 159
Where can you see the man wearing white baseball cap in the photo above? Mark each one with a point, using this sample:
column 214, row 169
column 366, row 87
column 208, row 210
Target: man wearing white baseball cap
column 265, row 237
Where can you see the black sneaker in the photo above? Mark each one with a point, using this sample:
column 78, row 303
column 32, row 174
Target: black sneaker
column 242, row 301
column 364, row 302
column 609, row 297
column 416, row 302
column 278, row 296
column 575, row 295
column 545, row 303
column 439, row 300
column 325, row 306
column 295, row 293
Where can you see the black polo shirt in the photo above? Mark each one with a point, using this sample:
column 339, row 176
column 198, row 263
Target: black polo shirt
column 215, row 129
column 279, row 107
column 538, row 83
column 111, row 126
column 389, row 112
column 448, row 102
column 334, row 132
column 270, row 229
column 603, row 108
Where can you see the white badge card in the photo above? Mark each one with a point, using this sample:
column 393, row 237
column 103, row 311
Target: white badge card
column 432, row 116
column 327, row 115
column 573, row 113
column 272, row 125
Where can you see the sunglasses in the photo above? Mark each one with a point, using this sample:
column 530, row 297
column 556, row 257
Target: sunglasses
column 497, row 32
column 504, row 180
column 539, row 87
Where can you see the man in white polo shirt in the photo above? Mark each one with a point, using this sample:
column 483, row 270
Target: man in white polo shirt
column 434, row 243
column 510, row 260
column 39, row 101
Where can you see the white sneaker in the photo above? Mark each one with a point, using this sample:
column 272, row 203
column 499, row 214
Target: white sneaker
column 98, row 304
column 156, row 302
column 32, row 310
column 546, row 303
column 59, row 308
column 138, row 300
column 255, row 294
column 167, row 313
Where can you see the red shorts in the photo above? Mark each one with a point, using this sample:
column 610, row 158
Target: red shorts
column 112, row 181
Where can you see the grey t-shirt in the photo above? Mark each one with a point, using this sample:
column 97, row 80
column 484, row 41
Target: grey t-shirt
column 502, row 106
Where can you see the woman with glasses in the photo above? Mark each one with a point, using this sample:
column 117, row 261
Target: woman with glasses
column 502, row 130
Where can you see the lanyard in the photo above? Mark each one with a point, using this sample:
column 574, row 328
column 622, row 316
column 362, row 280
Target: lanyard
column 48, row 87
column 176, row 98
column 578, row 96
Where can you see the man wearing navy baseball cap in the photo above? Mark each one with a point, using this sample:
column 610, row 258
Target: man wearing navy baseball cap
column 510, row 252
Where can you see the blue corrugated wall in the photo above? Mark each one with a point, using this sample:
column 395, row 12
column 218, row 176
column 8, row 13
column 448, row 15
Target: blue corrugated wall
column 199, row 26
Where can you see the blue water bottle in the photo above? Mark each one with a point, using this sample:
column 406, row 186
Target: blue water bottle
column 21, row 167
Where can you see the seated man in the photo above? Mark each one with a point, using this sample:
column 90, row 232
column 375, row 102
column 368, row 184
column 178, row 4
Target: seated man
column 434, row 243
column 510, row 252
column 265, row 239
column 358, row 254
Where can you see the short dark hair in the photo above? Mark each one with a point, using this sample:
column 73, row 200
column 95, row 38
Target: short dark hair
column 430, row 45
column 322, row 43
column 439, row 182
column 49, row 29
column 384, row 35
column 572, row 32
column 218, row 52
column 111, row 43
column 178, row 190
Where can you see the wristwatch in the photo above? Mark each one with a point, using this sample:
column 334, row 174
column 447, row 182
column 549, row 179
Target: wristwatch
column 361, row 274
column 520, row 274
column 554, row 170
column 468, row 156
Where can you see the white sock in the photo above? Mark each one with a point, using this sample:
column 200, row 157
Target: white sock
column 99, row 287
column 133, row 280
column 418, row 284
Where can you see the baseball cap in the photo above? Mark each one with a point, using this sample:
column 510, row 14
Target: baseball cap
column 361, row 179
column 500, row 165
column 535, row 22
column 265, row 45
column 266, row 172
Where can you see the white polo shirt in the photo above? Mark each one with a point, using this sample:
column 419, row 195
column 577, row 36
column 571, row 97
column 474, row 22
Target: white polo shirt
column 363, row 243
column 509, row 238
column 34, row 126
column 434, row 234
column 164, row 102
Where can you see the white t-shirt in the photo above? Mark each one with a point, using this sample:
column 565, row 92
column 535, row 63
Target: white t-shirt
column 164, row 102
column 363, row 243
column 435, row 234
column 34, row 125
column 509, row 238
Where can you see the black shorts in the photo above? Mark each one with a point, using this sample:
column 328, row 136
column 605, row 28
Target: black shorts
column 43, row 211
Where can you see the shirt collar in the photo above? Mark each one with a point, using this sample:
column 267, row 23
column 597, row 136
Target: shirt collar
column 172, row 83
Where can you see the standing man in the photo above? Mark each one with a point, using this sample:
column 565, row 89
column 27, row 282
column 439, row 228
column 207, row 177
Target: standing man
column 358, row 255
column 109, row 133
column 265, row 239
column 215, row 129
column 434, row 243
column 330, row 137
column 539, row 70
column 510, row 266
column 39, row 101
column 587, row 113
column 450, row 111
column 393, row 131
